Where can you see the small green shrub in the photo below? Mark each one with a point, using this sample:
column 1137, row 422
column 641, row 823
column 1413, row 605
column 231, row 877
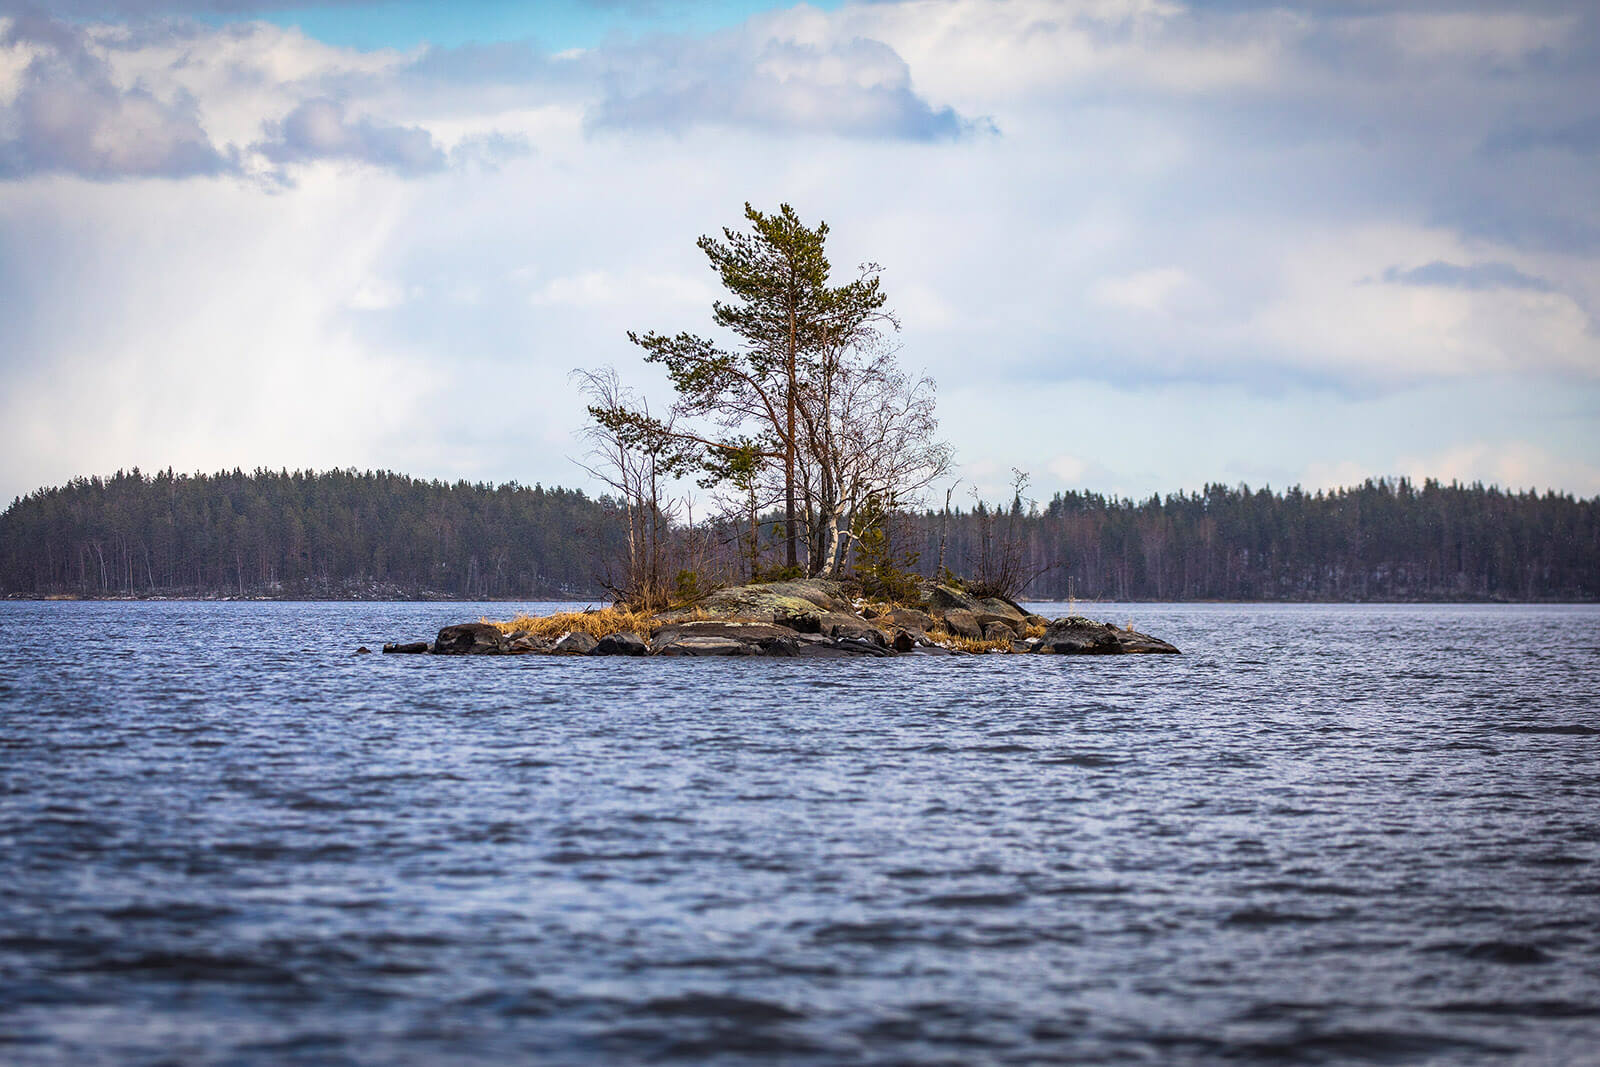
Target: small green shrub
column 689, row 588
column 884, row 572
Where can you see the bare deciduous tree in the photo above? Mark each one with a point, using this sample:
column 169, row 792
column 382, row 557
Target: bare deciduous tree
column 638, row 456
column 869, row 432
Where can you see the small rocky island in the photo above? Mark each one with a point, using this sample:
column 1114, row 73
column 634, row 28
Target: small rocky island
column 802, row 618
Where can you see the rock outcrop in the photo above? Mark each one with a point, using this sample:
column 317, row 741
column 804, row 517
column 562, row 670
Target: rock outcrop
column 1076, row 635
column 814, row 618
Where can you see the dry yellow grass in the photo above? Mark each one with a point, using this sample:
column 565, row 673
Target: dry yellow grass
column 970, row 644
column 597, row 623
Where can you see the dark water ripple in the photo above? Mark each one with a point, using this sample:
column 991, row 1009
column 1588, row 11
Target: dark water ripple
column 1325, row 834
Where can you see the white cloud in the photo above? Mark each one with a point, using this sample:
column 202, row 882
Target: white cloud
column 65, row 113
column 1160, row 291
column 1514, row 464
column 1331, row 315
column 1203, row 245
column 377, row 294
column 628, row 289
column 233, row 352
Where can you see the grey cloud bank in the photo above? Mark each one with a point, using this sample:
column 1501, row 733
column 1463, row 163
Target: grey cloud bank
column 1477, row 276
column 319, row 130
column 68, row 116
column 854, row 88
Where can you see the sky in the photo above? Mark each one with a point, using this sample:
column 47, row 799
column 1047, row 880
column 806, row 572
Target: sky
column 1141, row 245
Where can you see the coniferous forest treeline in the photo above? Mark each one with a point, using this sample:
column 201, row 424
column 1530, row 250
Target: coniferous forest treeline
column 339, row 535
column 348, row 534
column 1383, row 540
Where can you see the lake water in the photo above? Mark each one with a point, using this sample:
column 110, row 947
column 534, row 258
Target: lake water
column 1324, row 834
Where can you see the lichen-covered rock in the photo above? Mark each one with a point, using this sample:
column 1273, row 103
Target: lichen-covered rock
column 997, row 607
column 944, row 598
column 767, row 600
column 627, row 643
column 808, row 621
column 469, row 638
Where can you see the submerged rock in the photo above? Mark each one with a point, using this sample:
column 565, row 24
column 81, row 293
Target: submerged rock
column 410, row 647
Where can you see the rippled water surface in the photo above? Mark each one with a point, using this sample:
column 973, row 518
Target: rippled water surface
column 1324, row 834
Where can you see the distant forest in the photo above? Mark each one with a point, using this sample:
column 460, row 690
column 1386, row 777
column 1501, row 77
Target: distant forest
column 1383, row 540
column 339, row 535
column 355, row 535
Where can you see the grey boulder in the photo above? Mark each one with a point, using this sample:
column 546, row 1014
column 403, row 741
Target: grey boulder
column 469, row 639
column 626, row 643
column 962, row 623
column 718, row 637
column 577, row 643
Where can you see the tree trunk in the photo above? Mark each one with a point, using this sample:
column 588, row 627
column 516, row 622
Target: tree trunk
column 755, row 538
column 832, row 557
column 944, row 531
column 788, row 445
